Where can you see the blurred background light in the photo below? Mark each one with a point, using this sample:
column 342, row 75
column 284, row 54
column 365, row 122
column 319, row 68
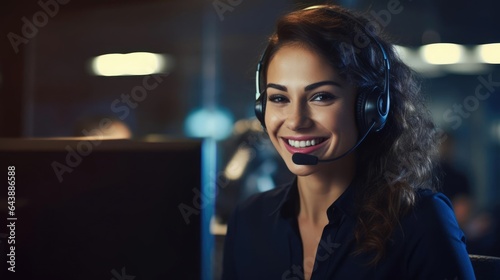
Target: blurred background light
column 489, row 53
column 131, row 64
column 437, row 60
column 238, row 163
column 442, row 53
column 216, row 124
column 412, row 58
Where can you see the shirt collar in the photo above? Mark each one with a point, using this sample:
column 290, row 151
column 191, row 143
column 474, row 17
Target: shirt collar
column 289, row 204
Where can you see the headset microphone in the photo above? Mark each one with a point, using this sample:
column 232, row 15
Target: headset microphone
column 305, row 159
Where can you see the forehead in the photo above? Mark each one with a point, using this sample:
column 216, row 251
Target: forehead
column 299, row 61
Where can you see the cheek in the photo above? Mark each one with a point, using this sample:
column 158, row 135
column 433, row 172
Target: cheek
column 341, row 121
column 272, row 120
column 272, row 125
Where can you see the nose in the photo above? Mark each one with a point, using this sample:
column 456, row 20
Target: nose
column 298, row 117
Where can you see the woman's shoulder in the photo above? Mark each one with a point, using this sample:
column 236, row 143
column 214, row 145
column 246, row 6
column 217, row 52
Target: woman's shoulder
column 432, row 242
column 430, row 203
column 431, row 215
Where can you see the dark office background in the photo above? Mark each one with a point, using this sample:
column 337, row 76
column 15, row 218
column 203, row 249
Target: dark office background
column 46, row 86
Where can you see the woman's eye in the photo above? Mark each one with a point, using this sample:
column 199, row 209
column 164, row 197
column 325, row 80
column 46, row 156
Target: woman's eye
column 323, row 96
column 277, row 98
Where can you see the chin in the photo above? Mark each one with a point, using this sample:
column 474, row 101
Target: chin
column 301, row 170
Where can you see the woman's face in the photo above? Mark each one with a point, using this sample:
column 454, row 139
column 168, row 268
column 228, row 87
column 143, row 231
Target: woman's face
column 310, row 108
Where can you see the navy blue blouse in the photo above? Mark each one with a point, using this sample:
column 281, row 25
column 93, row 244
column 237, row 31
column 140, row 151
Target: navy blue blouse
column 263, row 241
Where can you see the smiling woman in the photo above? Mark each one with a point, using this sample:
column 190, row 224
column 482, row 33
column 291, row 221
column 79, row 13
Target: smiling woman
column 330, row 90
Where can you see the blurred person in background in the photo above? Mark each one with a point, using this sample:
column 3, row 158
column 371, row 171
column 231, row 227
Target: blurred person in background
column 478, row 224
column 103, row 127
column 455, row 183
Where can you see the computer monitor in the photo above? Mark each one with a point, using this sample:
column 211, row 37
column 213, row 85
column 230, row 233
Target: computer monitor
column 91, row 209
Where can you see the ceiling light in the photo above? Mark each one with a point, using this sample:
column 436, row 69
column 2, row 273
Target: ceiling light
column 442, row 53
column 489, row 53
column 411, row 58
column 131, row 64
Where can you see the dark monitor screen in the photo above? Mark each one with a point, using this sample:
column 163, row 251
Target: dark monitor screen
column 99, row 209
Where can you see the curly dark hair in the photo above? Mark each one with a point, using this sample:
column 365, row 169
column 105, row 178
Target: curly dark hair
column 394, row 162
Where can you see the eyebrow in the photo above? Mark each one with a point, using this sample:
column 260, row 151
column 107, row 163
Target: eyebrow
column 307, row 88
column 322, row 83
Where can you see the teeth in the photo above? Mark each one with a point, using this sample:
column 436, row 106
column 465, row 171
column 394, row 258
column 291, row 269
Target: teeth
column 303, row 144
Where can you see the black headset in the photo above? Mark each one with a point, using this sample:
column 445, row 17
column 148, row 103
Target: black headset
column 372, row 105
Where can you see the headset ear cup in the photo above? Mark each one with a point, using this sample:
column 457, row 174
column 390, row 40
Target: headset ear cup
column 367, row 109
column 360, row 110
column 260, row 108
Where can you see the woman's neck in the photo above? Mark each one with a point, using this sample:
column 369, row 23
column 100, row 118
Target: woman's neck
column 319, row 190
